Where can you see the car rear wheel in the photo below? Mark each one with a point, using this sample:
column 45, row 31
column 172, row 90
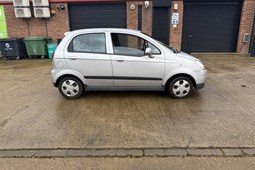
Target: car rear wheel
column 70, row 88
column 180, row 87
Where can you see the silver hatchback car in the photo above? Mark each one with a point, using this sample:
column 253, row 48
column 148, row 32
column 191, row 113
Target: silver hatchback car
column 122, row 59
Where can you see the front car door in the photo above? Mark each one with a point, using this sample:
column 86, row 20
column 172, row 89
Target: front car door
column 131, row 67
column 87, row 54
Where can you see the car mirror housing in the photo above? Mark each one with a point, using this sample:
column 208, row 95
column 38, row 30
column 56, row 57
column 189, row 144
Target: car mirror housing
column 148, row 52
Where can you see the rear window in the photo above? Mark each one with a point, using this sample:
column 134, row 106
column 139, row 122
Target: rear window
column 88, row 43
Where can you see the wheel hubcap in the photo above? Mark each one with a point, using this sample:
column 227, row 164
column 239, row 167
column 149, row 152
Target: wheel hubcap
column 181, row 88
column 70, row 88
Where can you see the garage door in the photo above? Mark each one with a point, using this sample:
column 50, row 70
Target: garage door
column 213, row 25
column 160, row 27
column 91, row 15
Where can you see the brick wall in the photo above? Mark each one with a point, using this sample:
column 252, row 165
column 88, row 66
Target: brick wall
column 147, row 18
column 59, row 24
column 37, row 27
column 15, row 27
column 132, row 15
column 55, row 27
column 176, row 33
column 246, row 25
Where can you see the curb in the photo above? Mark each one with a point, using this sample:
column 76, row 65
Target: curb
column 126, row 152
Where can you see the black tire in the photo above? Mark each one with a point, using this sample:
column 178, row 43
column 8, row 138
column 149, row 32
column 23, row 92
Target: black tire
column 180, row 87
column 73, row 86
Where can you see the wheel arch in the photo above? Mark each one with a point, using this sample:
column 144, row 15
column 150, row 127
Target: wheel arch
column 180, row 75
column 57, row 75
column 68, row 75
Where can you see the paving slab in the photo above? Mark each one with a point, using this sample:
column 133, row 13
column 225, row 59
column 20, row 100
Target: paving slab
column 131, row 152
column 80, row 153
column 176, row 152
column 50, row 153
column 249, row 152
column 204, row 152
column 17, row 153
column 232, row 152
column 154, row 152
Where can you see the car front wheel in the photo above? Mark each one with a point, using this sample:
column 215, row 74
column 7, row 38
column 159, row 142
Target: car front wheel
column 70, row 88
column 180, row 87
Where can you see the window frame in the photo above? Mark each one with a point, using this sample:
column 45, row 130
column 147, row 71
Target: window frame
column 70, row 44
column 133, row 36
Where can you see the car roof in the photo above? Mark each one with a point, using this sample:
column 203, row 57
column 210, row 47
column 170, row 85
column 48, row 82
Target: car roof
column 104, row 30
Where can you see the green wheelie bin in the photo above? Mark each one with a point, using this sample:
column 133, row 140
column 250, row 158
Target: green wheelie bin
column 37, row 46
column 51, row 48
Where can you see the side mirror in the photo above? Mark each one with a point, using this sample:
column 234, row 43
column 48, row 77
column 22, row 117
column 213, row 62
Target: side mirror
column 148, row 52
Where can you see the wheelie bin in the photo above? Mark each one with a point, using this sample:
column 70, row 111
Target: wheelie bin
column 37, row 46
column 51, row 48
column 13, row 48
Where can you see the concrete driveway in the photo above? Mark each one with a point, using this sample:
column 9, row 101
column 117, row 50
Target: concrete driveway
column 34, row 115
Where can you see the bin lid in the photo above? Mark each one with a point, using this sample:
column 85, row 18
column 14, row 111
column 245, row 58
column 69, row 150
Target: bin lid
column 52, row 44
column 35, row 38
column 10, row 39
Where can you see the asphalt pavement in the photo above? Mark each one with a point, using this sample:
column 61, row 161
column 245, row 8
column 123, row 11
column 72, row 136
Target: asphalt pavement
column 34, row 116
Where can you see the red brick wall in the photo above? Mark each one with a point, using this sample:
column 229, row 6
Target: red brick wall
column 36, row 27
column 246, row 25
column 132, row 15
column 55, row 27
column 15, row 27
column 59, row 24
column 176, row 33
column 147, row 18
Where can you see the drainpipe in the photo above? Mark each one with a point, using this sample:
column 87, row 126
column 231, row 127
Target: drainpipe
column 252, row 44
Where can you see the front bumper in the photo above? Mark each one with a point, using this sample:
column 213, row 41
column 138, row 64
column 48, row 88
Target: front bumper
column 200, row 86
column 201, row 79
column 55, row 84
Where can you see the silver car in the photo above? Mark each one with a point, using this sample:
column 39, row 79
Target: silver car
column 122, row 59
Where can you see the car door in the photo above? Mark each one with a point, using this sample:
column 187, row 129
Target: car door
column 87, row 54
column 131, row 67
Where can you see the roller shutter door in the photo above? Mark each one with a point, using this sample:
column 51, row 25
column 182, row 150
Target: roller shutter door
column 213, row 25
column 160, row 27
column 99, row 15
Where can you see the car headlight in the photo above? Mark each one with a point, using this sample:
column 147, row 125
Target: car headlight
column 200, row 64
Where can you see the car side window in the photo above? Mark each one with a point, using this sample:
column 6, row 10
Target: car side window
column 130, row 45
column 88, row 43
column 154, row 50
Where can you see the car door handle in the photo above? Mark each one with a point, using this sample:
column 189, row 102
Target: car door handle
column 120, row 59
column 72, row 58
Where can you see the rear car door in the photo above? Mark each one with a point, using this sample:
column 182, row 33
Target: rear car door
column 131, row 67
column 87, row 54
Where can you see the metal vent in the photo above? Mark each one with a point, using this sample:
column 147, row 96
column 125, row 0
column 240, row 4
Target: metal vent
column 42, row 12
column 21, row 3
column 40, row 3
column 22, row 12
